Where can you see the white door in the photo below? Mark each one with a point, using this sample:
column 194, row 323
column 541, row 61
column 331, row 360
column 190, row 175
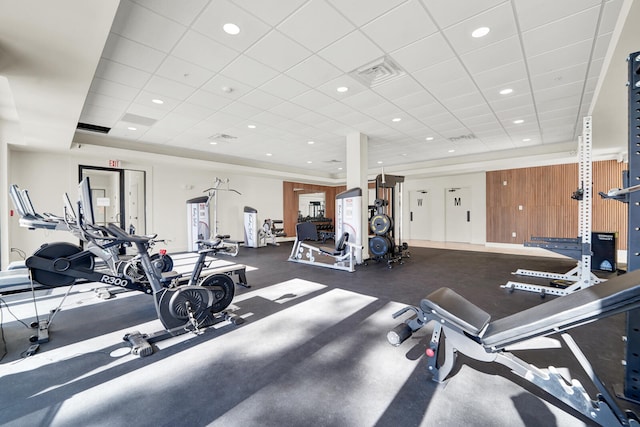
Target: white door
column 419, row 215
column 458, row 215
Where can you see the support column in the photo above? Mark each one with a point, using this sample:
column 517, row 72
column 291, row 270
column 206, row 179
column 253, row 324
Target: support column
column 357, row 166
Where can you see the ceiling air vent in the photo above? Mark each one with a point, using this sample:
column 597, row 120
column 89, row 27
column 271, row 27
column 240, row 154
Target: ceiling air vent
column 222, row 137
column 93, row 128
column 138, row 120
column 380, row 71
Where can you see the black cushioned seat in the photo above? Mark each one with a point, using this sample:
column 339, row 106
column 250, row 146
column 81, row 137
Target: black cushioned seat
column 456, row 309
column 615, row 295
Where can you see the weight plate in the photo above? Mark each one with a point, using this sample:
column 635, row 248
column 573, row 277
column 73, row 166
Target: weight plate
column 379, row 245
column 223, row 290
column 381, row 224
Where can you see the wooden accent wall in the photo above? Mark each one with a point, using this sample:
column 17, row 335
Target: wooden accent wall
column 290, row 201
column 547, row 207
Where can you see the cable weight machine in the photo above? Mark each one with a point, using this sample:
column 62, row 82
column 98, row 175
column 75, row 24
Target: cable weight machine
column 386, row 223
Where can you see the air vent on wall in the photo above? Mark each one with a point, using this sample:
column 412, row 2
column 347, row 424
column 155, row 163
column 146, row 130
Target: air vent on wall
column 93, row 128
column 377, row 72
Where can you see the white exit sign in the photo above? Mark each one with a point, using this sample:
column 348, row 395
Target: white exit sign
column 114, row 163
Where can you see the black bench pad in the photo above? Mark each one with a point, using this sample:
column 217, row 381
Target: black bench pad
column 622, row 293
column 457, row 310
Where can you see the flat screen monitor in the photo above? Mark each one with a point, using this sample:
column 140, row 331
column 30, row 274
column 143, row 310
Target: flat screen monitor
column 16, row 197
column 86, row 202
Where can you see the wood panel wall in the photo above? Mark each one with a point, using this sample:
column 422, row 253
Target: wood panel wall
column 537, row 202
column 291, row 192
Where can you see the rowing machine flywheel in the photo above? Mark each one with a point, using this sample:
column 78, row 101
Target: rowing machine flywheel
column 59, row 253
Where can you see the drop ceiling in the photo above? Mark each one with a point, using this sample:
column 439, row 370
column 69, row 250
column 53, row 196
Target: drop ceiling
column 269, row 95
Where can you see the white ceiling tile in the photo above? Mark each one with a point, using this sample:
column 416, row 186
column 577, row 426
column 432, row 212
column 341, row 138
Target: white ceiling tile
column 423, row 53
column 345, row 80
column 284, row 87
column 220, row 12
column 519, row 87
column 408, row 21
column 288, row 110
column 151, row 29
column 533, row 14
column 208, row 100
column 470, row 99
column 183, row 12
column 453, row 88
column 441, row 73
column 226, row 87
column 445, row 15
column 316, row 25
column 100, row 116
column 559, row 58
column 555, row 35
column 240, row 109
column 513, row 102
column 362, row 11
column 270, row 11
column 398, row 88
column 416, row 99
column 249, row 71
column 146, row 98
column 570, row 90
column 171, row 88
column 312, row 99
column 314, row 71
column 131, row 53
column 277, row 50
column 113, row 89
column 105, row 101
column 502, row 76
column 261, row 99
column 204, row 52
column 122, row 74
column 576, row 73
column 268, row 118
column 351, row 52
column 144, row 110
column 496, row 55
column 363, row 99
column 335, row 110
column 196, row 112
column 499, row 19
column 183, row 72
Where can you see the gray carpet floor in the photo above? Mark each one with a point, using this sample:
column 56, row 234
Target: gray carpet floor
column 312, row 351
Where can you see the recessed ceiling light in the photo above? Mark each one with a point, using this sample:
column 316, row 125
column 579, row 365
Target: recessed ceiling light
column 132, row 128
column 452, row 151
column 342, row 89
column 339, row 169
column 517, row 122
column 309, row 161
column 230, row 28
column 480, row 32
column 311, row 142
column 506, row 91
column 526, row 140
column 269, row 154
column 213, row 143
column 251, row 126
column 397, row 119
column 379, row 162
column 157, row 101
column 405, row 154
column 429, row 138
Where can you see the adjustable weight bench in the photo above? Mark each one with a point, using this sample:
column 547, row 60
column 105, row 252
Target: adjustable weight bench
column 343, row 255
column 461, row 326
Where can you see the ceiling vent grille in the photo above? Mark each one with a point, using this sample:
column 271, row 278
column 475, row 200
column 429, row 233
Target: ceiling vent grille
column 377, row 72
column 93, row 128
column 222, row 137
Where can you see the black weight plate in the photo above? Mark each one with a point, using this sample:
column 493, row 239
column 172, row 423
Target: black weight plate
column 379, row 245
column 381, row 224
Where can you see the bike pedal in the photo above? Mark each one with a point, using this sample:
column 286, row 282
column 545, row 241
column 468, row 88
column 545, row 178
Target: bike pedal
column 139, row 344
column 32, row 350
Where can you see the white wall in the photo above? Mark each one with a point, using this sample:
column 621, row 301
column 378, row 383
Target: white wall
column 436, row 188
column 170, row 182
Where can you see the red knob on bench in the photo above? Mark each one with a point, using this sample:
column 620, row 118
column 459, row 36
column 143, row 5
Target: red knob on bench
column 430, row 352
